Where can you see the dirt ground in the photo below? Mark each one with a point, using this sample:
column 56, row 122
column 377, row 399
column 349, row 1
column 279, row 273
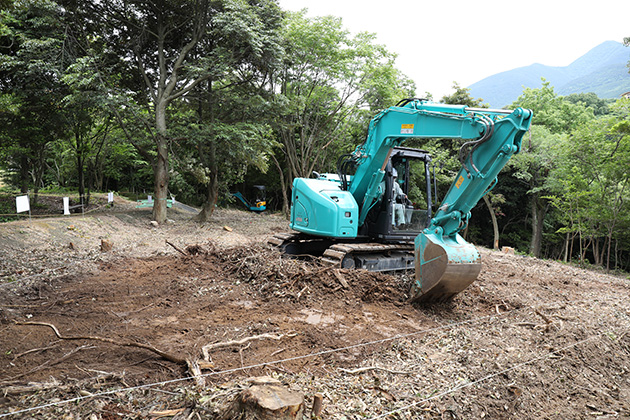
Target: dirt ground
column 531, row 339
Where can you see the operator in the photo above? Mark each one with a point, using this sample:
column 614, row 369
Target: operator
column 398, row 215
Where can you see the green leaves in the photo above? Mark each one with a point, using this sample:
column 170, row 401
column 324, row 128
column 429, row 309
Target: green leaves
column 331, row 83
column 553, row 111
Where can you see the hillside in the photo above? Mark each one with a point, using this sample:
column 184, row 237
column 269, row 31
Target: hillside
column 530, row 339
column 603, row 70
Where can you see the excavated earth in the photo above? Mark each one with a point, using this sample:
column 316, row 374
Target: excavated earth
column 531, row 339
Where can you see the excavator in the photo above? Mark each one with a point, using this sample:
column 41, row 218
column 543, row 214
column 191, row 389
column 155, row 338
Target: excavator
column 361, row 216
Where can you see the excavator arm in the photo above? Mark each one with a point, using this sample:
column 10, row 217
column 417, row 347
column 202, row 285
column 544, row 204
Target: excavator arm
column 445, row 263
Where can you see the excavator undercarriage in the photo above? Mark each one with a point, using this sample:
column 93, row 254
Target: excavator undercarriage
column 371, row 256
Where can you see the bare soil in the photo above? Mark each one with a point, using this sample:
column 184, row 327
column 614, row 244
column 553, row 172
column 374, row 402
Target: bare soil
column 531, row 339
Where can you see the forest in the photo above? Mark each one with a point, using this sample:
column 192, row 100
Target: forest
column 196, row 99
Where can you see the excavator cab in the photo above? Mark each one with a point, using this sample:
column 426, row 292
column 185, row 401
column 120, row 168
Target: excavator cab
column 405, row 207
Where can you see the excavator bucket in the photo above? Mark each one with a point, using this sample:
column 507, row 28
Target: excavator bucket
column 444, row 267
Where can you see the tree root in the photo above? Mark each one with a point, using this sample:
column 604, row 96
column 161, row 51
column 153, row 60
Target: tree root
column 163, row 354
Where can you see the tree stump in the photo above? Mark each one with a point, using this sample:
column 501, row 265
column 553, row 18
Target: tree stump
column 265, row 399
column 106, row 245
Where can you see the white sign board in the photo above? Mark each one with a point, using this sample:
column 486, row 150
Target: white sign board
column 22, row 204
column 110, row 197
column 150, row 199
column 66, row 206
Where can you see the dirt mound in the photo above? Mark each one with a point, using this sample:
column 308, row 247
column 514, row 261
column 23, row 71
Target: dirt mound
column 529, row 339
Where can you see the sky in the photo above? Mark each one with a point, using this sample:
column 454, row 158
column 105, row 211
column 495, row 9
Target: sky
column 444, row 41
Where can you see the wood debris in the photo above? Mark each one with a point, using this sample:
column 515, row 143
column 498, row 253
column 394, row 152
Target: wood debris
column 208, row 347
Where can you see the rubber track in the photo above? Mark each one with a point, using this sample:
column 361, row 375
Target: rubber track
column 335, row 254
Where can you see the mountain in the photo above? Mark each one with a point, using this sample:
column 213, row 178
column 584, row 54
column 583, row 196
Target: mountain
column 603, row 70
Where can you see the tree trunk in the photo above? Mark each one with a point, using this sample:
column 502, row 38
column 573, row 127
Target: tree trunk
column 39, row 175
column 160, row 167
column 213, row 190
column 601, row 253
column 80, row 173
column 495, row 224
column 160, row 171
column 210, row 204
column 23, row 174
column 283, row 188
column 538, row 216
column 210, row 162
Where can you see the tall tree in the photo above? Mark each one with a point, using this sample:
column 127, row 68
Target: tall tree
column 31, row 61
column 592, row 183
column 163, row 51
column 553, row 116
column 327, row 77
column 231, row 107
column 88, row 120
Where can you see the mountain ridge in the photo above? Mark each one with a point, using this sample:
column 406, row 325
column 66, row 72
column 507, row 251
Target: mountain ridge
column 602, row 70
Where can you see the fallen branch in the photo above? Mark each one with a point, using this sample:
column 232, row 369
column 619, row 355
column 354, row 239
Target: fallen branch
column 206, row 349
column 166, row 413
column 32, row 351
column 48, row 363
column 544, row 317
column 302, row 275
column 277, row 352
column 341, row 279
column 369, row 368
column 176, row 248
column 167, row 356
column 194, row 368
column 33, row 387
column 549, row 321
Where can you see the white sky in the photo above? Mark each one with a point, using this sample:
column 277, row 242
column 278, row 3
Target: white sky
column 442, row 41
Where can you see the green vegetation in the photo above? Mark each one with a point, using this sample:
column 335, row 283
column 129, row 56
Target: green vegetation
column 197, row 98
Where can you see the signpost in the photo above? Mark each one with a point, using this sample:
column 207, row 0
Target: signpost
column 23, row 204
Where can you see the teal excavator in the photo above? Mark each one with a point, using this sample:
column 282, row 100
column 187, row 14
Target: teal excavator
column 361, row 216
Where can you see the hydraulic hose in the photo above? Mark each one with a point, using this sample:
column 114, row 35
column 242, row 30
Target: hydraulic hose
column 473, row 145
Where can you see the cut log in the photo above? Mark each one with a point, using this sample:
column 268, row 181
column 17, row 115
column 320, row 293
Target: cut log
column 106, row 245
column 265, row 399
column 508, row 250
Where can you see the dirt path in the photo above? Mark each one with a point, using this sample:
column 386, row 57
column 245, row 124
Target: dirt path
column 530, row 339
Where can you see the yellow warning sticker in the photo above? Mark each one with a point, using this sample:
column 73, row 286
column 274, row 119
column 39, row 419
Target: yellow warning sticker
column 459, row 181
column 406, row 129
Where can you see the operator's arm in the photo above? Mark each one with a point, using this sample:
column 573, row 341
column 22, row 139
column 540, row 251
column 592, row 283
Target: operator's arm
column 398, row 192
